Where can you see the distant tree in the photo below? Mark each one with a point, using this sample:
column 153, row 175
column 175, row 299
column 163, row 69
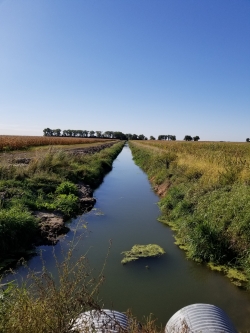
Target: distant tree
column 129, row 136
column 70, row 132
column 48, row 132
column 172, row 137
column 188, row 138
column 99, row 134
column 141, row 137
column 160, row 137
column 145, row 138
column 85, row 133
column 247, row 140
column 196, row 138
column 56, row 132
column 106, row 134
column 91, row 134
column 134, row 137
column 151, row 137
column 119, row 136
column 80, row 133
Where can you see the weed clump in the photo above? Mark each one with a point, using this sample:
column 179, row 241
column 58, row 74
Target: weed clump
column 142, row 251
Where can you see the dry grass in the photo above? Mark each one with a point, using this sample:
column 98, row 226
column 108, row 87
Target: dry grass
column 9, row 142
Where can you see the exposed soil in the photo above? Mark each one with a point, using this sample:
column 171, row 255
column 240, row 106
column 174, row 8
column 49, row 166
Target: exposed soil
column 90, row 150
column 161, row 189
column 51, row 226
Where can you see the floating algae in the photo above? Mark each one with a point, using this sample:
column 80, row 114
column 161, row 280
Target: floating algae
column 142, row 251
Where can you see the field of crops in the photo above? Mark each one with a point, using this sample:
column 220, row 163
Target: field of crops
column 214, row 160
column 9, row 142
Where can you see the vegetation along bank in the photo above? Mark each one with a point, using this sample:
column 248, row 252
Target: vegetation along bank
column 39, row 192
column 205, row 198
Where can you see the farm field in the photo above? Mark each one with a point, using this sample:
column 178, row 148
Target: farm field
column 12, row 142
column 205, row 198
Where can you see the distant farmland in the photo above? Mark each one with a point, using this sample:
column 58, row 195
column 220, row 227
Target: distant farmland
column 11, row 142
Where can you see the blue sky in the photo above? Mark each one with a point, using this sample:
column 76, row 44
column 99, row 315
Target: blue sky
column 149, row 67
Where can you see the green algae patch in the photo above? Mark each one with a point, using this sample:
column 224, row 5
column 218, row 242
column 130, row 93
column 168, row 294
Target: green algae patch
column 142, row 251
column 236, row 276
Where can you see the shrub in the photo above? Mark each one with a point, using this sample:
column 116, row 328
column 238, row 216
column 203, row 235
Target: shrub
column 68, row 204
column 66, row 188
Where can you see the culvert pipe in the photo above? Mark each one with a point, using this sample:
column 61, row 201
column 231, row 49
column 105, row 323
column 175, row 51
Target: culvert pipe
column 102, row 321
column 200, row 318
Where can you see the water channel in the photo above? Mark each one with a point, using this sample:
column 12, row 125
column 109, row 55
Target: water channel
column 126, row 212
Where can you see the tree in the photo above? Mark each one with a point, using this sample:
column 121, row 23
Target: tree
column 188, row 138
column 196, row 138
column 99, row 134
column 79, row 133
column 129, row 136
column 119, row 136
column 48, row 132
column 134, row 137
column 91, row 134
column 141, row 137
column 172, row 137
column 247, row 140
column 56, row 132
column 69, row 132
column 151, row 137
column 85, row 133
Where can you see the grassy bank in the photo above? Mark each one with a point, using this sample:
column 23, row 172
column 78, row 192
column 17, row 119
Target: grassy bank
column 46, row 183
column 205, row 189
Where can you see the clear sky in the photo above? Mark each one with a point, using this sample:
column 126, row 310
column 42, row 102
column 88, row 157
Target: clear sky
column 151, row 67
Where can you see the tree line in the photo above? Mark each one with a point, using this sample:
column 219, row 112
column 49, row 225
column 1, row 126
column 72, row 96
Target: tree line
column 92, row 134
column 110, row 135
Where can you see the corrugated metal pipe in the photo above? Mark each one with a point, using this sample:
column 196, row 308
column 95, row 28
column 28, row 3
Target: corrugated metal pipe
column 102, row 321
column 200, row 318
column 195, row 318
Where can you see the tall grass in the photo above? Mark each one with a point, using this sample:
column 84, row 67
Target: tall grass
column 206, row 199
column 43, row 304
column 40, row 304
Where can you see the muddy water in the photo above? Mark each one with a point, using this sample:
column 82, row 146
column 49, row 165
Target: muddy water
column 126, row 214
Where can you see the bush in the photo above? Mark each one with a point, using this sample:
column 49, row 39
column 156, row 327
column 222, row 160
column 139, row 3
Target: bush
column 67, row 188
column 68, row 204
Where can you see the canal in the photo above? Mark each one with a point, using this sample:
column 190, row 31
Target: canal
column 126, row 214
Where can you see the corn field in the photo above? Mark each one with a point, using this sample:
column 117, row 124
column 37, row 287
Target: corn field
column 9, row 142
column 212, row 159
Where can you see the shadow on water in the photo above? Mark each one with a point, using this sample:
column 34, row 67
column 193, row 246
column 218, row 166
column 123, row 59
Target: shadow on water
column 126, row 214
